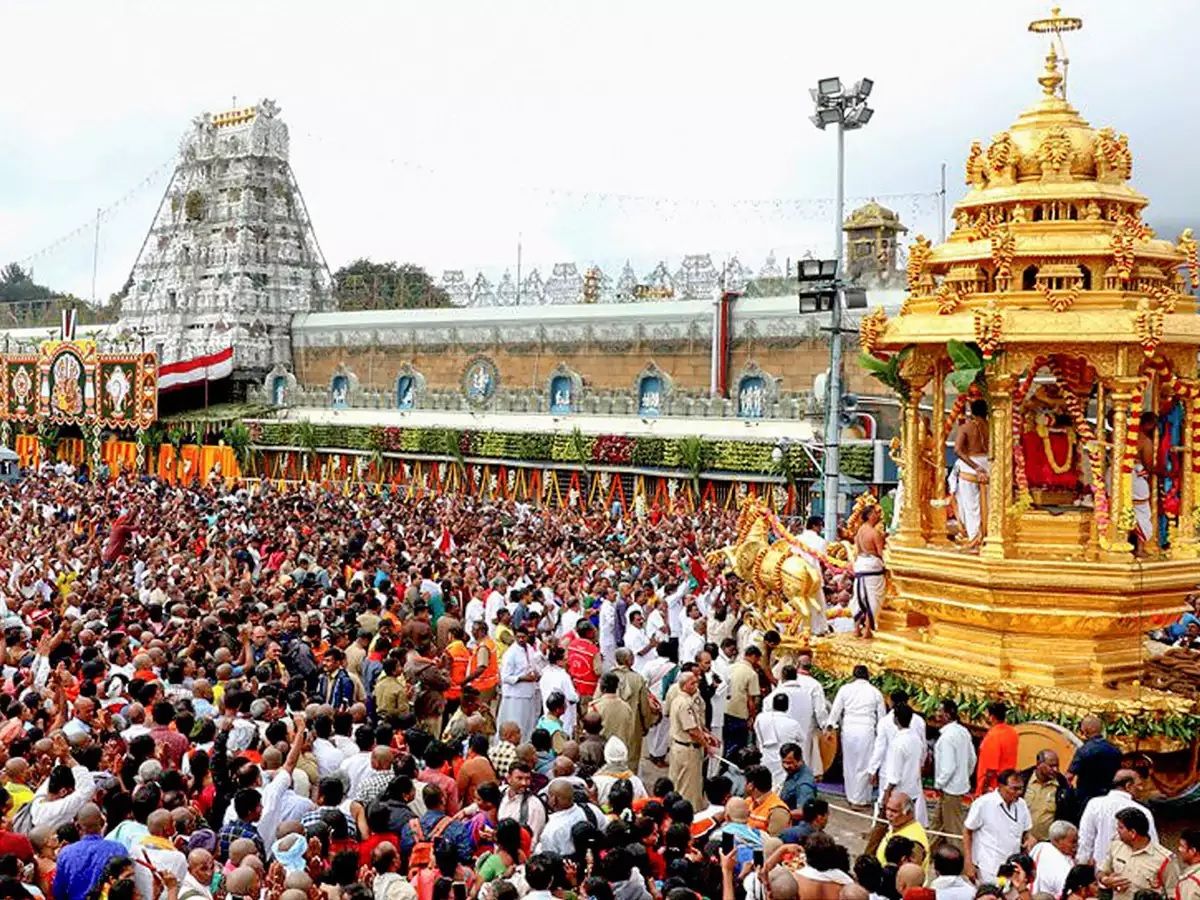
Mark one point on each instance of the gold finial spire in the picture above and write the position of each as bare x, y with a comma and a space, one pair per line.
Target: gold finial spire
1055, 25
1050, 79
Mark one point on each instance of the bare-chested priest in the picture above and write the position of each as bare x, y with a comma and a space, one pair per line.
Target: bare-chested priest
971, 471
868, 571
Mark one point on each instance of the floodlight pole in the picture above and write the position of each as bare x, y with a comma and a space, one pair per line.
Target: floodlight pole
833, 431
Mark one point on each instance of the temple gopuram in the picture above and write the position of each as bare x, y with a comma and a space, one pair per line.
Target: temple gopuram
1054, 303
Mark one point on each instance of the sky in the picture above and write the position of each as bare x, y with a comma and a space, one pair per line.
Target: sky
445, 133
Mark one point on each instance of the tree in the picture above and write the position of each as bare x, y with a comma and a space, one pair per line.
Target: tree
369, 285
26, 304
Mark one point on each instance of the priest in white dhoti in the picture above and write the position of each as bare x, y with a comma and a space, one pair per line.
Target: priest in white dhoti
857, 709
868, 571
519, 700
815, 545
969, 477
772, 729
1143, 520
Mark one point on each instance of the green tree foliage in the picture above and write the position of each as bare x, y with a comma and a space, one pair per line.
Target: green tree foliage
364, 284
26, 304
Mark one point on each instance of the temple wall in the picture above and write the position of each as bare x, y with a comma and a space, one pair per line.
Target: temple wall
607, 345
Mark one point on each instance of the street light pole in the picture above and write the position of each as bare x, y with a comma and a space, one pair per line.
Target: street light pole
833, 430
847, 109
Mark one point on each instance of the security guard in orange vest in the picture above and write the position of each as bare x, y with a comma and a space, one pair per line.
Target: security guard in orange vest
767, 812
458, 659
483, 673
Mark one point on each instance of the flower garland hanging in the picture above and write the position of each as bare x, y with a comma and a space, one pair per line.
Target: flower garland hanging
1042, 427
1024, 498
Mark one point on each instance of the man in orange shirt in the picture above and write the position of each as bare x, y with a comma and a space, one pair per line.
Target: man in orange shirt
998, 751
475, 770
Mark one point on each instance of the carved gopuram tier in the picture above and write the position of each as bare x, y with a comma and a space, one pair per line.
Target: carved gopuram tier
1054, 302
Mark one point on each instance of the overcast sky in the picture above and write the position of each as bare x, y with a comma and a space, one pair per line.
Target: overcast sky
437, 132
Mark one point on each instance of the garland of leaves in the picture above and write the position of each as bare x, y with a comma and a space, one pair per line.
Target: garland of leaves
606, 449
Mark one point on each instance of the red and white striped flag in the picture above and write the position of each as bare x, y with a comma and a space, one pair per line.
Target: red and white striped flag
445, 543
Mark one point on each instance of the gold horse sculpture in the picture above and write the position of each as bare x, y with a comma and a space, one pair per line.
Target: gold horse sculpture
783, 589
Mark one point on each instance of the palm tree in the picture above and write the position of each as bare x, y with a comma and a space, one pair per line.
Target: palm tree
305, 436
48, 441
237, 437
693, 453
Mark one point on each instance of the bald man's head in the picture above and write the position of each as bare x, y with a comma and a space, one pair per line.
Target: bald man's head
908, 876
160, 823
1090, 727
381, 759
91, 820
240, 849
854, 892
561, 794
737, 809
242, 882
298, 881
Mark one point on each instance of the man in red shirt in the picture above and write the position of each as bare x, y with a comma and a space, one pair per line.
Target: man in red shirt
998, 751
583, 662
172, 745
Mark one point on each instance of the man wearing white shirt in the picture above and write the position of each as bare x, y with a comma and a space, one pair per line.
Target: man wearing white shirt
475, 611
329, 757
555, 680
948, 868
906, 753
693, 639
1054, 858
887, 731
639, 641
1098, 826
953, 763
519, 686
64, 793
277, 784
156, 850
356, 766
495, 602
807, 706
857, 710
564, 815
816, 545
608, 630
773, 728
996, 827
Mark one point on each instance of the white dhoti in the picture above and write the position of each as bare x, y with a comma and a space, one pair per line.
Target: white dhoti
868, 588
1141, 503
969, 494
525, 711
857, 745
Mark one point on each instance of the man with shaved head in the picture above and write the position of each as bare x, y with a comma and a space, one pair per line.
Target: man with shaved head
565, 814
196, 885
81, 864
16, 782
157, 850
1095, 763
1098, 826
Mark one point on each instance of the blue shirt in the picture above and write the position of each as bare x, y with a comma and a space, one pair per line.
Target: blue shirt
81, 864
1094, 765
798, 788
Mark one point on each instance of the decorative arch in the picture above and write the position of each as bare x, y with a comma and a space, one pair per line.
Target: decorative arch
410, 387
755, 390
564, 390
343, 387
279, 386
651, 388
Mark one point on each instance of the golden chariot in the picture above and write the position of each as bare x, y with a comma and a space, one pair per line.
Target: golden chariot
1053, 300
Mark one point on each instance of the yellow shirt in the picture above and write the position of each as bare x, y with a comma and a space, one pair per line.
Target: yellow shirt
21, 794
504, 639
1040, 798
914, 832
743, 685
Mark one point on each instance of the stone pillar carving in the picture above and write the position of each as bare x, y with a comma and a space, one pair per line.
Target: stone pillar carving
1000, 480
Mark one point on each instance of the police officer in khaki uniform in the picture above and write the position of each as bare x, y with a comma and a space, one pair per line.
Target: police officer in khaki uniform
689, 740
1136, 863
1189, 859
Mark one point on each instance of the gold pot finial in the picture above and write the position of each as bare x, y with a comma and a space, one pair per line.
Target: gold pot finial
1055, 25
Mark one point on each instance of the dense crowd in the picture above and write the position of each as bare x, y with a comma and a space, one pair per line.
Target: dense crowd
314, 695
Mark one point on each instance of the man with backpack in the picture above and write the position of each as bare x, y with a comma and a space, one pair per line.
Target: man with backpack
565, 814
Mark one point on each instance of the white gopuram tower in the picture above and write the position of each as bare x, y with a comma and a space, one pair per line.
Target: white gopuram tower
231, 255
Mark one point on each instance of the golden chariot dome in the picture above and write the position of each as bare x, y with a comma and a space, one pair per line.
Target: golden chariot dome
1053, 301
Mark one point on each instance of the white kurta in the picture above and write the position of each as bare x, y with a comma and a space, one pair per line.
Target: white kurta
555, 679
657, 741
857, 709
809, 709
493, 605
997, 830
519, 700
1052, 868
905, 754
772, 730
637, 641
608, 634
1141, 502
